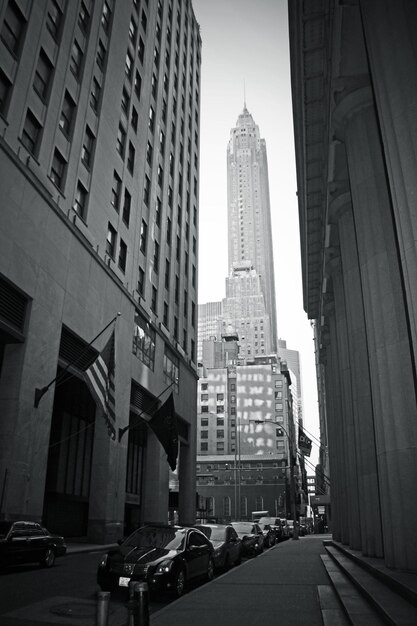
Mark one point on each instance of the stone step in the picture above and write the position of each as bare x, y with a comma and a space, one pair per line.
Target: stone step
390, 606
332, 611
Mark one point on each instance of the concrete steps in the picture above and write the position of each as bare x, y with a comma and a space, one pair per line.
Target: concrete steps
369, 593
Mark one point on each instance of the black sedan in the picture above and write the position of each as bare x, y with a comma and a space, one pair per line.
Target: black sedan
252, 537
28, 542
166, 557
226, 542
269, 535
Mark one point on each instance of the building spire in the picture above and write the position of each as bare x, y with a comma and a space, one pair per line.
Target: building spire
244, 96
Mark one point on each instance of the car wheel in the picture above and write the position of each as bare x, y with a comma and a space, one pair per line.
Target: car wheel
48, 558
179, 583
210, 569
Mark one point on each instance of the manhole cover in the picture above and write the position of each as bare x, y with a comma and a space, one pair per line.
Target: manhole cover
77, 610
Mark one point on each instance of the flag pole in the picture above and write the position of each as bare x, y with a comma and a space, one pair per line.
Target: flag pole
39, 393
126, 428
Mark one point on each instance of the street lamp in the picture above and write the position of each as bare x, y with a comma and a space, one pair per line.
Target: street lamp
237, 468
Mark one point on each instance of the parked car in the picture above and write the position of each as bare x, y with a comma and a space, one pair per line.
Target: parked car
276, 525
269, 535
28, 542
166, 557
290, 523
226, 542
285, 528
252, 537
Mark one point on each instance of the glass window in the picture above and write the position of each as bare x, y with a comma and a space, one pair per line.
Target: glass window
95, 95
147, 190
171, 368
105, 17
134, 119
87, 149
43, 75
131, 158
204, 434
13, 28
138, 84
121, 140
122, 255
31, 133
54, 19
204, 409
220, 408
144, 341
101, 55
129, 65
76, 59
67, 115
126, 207
116, 191
111, 241
141, 282
154, 300
220, 434
83, 17
58, 169
143, 236
5, 89
80, 201
204, 446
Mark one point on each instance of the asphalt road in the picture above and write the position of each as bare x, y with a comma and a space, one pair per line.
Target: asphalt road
63, 594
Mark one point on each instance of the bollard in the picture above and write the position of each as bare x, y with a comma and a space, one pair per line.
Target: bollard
103, 599
138, 605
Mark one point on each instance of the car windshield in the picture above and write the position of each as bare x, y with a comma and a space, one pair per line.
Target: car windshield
242, 527
214, 534
149, 537
4, 528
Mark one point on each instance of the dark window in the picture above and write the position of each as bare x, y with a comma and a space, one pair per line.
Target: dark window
176, 328
131, 157
133, 29
58, 169
160, 175
125, 101
111, 241
147, 191
154, 299
169, 231
126, 207
5, 89
80, 201
149, 153
83, 17
121, 140
66, 120
158, 211
204, 409
31, 133
76, 59
151, 119
220, 434
156, 257
154, 86
54, 19
43, 75
87, 149
101, 55
134, 119
122, 255
143, 236
171, 368
95, 95
138, 84
167, 273
116, 191
166, 314
203, 446
105, 17
141, 282
141, 50
144, 20
13, 28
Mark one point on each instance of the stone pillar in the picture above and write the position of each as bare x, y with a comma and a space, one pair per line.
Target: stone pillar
155, 497
390, 358
346, 419
340, 214
187, 483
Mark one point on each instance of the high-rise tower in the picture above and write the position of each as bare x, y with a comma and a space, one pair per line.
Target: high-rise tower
249, 217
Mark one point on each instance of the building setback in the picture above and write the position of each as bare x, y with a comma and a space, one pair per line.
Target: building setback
354, 100
99, 154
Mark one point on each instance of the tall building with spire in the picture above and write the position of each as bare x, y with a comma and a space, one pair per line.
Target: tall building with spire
249, 216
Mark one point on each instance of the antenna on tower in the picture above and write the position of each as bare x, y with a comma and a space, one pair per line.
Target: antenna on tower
244, 94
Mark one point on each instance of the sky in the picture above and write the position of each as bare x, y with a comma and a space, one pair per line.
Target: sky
245, 52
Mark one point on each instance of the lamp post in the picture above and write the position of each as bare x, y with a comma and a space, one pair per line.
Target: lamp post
237, 468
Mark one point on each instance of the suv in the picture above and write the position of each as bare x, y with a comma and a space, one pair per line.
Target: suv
275, 524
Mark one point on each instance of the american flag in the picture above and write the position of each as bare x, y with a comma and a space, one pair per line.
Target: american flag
100, 381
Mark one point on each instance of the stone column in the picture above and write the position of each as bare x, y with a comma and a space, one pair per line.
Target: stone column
155, 482
346, 419
187, 483
340, 214
390, 358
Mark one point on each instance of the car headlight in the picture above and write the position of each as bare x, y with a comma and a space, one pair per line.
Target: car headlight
164, 567
103, 561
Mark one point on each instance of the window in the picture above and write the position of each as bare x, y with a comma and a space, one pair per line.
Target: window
95, 95
67, 115
220, 421
87, 149
154, 300
220, 408
121, 140
278, 406
116, 191
131, 158
80, 200
5, 88
175, 328
141, 282
144, 21
133, 29
141, 50
171, 368
220, 434
227, 506
204, 421
143, 236
126, 207
166, 314
204, 386
204, 434
151, 119
54, 19
138, 84
167, 273
105, 17
149, 153
122, 255
233, 410
220, 397
144, 341
154, 86
31, 133
156, 257
204, 409
134, 119
147, 190
58, 169
204, 397
76, 59
43, 75
203, 446
158, 211
13, 28
83, 17
160, 175
101, 55
111, 241
129, 65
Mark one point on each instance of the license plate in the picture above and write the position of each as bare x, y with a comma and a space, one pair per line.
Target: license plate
124, 582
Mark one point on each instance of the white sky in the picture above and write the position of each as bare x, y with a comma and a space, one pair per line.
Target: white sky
246, 42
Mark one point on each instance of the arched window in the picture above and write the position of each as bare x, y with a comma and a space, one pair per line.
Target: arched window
226, 506
259, 503
211, 509
244, 507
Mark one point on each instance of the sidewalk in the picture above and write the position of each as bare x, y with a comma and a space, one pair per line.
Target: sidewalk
278, 588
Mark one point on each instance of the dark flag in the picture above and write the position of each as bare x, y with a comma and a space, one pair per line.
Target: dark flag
100, 381
164, 425
304, 443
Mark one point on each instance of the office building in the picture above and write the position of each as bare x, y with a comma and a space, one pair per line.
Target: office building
99, 157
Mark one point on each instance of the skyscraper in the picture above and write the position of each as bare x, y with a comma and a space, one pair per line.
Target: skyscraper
249, 217
99, 153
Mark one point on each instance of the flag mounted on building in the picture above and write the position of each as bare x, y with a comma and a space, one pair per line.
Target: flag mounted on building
304, 443
100, 381
164, 425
